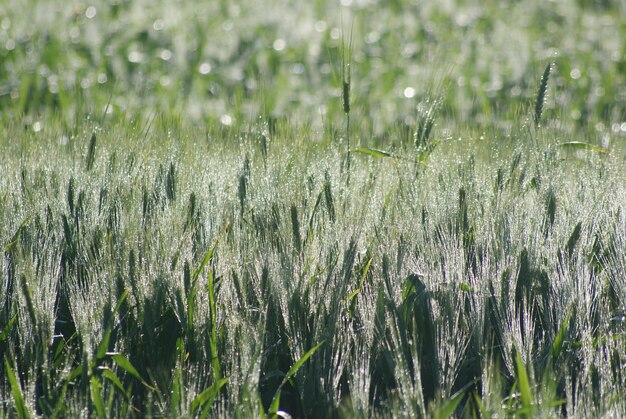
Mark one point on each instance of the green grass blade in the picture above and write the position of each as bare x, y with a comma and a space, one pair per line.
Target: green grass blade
120, 301
96, 398
207, 258
447, 410
74, 374
524, 384
103, 347
10, 245
16, 392
206, 398
261, 411
373, 152
7, 329
125, 364
559, 339
295, 367
275, 402
112, 377
582, 146
363, 275
292, 371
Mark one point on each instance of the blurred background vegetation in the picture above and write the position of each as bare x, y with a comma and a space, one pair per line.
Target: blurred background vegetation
235, 61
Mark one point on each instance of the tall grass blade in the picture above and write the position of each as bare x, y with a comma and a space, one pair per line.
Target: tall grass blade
103, 347
524, 385
11, 244
379, 154
126, 365
581, 146
16, 392
447, 410
7, 328
559, 339
204, 400
113, 378
292, 371
95, 386
354, 293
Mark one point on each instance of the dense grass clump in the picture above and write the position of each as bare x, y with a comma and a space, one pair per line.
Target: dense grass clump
189, 277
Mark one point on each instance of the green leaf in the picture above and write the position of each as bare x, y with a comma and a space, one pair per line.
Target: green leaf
96, 398
59, 405
112, 377
207, 258
362, 281
465, 287
104, 344
557, 345
16, 392
480, 404
295, 367
10, 245
373, 152
524, 384
206, 398
448, 408
261, 413
129, 368
75, 373
7, 329
120, 301
292, 371
579, 145
62, 345
275, 402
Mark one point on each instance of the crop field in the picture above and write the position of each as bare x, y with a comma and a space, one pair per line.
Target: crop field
354, 208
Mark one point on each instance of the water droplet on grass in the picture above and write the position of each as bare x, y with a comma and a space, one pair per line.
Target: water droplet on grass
226, 120
297, 68
320, 26
135, 57
575, 73
279, 44
409, 92
205, 68
166, 55
90, 12
158, 24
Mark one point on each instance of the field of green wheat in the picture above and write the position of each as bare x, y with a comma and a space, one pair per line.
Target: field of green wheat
342, 209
